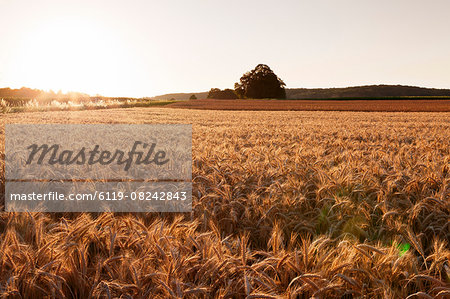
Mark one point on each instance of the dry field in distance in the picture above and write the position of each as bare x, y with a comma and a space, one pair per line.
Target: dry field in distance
286, 204
405, 105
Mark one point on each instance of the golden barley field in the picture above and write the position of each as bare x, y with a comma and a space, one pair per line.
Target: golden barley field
286, 204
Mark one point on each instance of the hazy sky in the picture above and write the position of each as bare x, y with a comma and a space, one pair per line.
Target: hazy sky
145, 48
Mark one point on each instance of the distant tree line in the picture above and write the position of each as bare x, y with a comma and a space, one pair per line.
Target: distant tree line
28, 93
216, 93
368, 91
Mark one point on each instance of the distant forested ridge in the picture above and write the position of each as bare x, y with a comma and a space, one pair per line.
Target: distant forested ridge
369, 91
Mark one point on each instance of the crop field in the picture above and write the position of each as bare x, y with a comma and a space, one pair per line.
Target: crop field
290, 204
386, 105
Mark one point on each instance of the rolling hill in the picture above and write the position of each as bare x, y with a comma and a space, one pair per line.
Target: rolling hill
369, 91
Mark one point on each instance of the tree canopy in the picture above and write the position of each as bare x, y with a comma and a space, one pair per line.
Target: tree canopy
260, 83
216, 93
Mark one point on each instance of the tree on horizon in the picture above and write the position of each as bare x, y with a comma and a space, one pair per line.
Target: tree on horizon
260, 83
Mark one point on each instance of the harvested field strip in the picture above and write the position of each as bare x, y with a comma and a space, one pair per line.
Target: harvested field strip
319, 105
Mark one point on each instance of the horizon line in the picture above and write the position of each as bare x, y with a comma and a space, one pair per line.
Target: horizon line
194, 92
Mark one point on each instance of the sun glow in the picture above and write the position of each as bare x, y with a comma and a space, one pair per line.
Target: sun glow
74, 55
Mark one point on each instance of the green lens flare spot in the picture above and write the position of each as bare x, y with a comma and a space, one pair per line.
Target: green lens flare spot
403, 248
